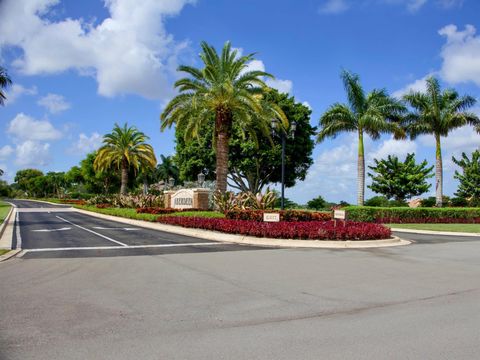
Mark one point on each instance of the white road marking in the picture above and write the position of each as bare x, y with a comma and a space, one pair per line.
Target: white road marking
50, 230
121, 247
112, 228
19, 237
91, 231
43, 210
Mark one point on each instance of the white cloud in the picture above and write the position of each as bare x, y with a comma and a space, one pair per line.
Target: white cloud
334, 7
411, 5
284, 86
32, 153
307, 104
24, 127
391, 146
461, 55
54, 103
5, 152
129, 52
17, 91
447, 4
86, 144
418, 85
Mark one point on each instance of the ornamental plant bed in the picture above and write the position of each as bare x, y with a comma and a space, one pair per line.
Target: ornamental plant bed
161, 211
73, 201
302, 230
405, 215
285, 215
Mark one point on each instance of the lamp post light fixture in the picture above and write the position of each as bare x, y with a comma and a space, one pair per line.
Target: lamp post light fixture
201, 178
171, 182
283, 135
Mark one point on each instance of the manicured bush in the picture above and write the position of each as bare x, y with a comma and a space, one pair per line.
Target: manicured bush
285, 215
408, 215
73, 201
306, 230
159, 211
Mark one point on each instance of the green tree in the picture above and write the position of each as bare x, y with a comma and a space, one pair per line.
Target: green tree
317, 203
400, 180
5, 82
123, 148
469, 178
253, 165
372, 114
224, 93
167, 169
25, 180
437, 113
97, 182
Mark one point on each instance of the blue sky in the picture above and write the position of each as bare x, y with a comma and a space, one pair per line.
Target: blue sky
81, 66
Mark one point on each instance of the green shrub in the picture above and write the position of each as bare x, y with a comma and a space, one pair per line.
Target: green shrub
400, 215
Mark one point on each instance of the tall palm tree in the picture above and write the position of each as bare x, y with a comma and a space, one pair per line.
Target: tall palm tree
123, 148
224, 91
438, 112
5, 82
372, 114
167, 169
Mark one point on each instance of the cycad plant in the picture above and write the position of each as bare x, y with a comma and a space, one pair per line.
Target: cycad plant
123, 148
438, 112
224, 91
372, 114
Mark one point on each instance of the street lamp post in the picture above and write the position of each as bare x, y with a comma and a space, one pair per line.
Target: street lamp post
283, 137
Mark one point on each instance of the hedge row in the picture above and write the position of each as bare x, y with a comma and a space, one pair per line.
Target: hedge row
285, 215
156, 210
405, 215
310, 230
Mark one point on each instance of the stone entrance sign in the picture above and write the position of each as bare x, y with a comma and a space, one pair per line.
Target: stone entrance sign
187, 199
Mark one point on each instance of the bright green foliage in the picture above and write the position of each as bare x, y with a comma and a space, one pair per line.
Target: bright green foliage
400, 180
166, 169
28, 180
5, 82
253, 165
124, 148
372, 114
222, 93
438, 112
96, 182
469, 187
317, 203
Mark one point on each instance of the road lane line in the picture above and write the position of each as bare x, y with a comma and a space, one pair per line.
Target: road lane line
123, 247
19, 237
93, 232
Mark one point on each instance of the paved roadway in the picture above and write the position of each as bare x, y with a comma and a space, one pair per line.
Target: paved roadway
220, 301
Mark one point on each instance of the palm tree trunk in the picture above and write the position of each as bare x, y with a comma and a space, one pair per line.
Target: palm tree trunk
361, 170
145, 185
123, 186
438, 173
223, 124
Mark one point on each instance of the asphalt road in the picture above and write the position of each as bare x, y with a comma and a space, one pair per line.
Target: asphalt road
412, 302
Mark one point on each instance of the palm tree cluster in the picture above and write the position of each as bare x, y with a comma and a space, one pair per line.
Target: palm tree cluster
434, 112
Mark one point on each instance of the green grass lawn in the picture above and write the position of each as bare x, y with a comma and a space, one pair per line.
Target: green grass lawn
132, 213
4, 209
470, 228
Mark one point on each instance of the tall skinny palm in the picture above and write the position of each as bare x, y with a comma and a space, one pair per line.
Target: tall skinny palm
5, 82
123, 148
224, 91
372, 114
437, 113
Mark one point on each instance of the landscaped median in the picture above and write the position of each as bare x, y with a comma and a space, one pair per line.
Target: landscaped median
211, 225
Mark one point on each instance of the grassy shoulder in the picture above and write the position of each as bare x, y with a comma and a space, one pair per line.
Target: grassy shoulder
4, 210
3, 251
469, 228
132, 213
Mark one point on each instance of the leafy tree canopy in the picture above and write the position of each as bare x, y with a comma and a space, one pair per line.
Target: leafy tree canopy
317, 203
469, 178
400, 180
252, 164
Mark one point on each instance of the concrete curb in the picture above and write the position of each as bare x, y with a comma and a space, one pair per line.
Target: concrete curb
431, 232
3, 225
248, 240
